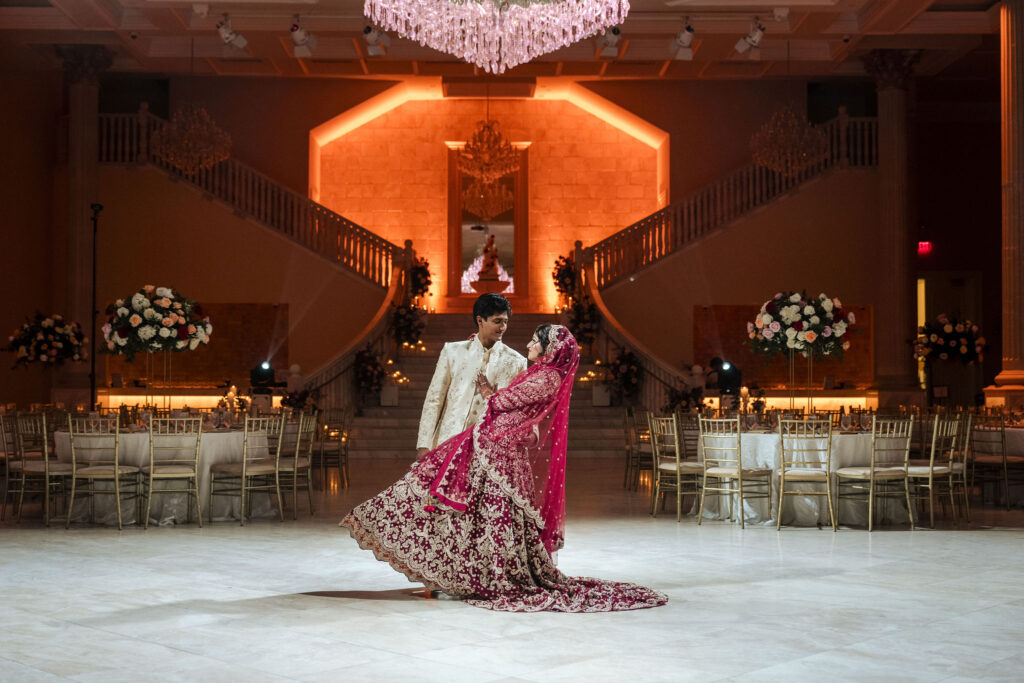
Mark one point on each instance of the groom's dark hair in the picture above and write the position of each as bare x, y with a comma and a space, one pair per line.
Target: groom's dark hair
487, 305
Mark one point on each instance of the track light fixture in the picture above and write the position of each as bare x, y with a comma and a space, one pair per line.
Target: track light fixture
607, 43
751, 41
228, 35
377, 41
680, 46
303, 41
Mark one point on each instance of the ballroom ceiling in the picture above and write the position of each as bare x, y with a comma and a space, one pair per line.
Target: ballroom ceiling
803, 38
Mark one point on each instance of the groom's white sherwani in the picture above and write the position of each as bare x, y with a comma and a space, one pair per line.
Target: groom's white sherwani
453, 403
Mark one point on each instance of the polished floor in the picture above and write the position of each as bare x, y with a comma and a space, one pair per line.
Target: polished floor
298, 601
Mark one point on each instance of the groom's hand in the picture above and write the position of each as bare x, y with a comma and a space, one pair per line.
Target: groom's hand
483, 386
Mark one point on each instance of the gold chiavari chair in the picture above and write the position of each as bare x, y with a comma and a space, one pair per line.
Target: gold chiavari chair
333, 438
937, 474
723, 463
95, 462
295, 463
672, 472
880, 479
990, 463
640, 455
37, 472
10, 459
806, 459
257, 471
174, 460
960, 463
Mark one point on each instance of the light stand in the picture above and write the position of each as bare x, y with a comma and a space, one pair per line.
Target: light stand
96, 208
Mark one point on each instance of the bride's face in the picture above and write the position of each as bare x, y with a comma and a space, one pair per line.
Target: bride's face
533, 350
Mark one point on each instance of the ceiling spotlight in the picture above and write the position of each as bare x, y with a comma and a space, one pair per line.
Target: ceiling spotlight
377, 41
303, 41
608, 42
752, 40
227, 34
680, 45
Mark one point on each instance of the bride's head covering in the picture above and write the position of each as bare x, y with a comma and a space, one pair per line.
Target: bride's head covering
562, 354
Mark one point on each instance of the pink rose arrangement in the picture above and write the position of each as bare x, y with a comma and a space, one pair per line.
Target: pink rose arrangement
792, 321
155, 319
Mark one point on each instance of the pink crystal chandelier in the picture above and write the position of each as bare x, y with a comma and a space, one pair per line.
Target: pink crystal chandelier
496, 34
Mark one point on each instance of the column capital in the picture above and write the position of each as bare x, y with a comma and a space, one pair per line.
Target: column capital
891, 68
84, 63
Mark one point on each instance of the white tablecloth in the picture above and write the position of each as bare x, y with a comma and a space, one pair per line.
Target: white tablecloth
765, 451
214, 447
1014, 448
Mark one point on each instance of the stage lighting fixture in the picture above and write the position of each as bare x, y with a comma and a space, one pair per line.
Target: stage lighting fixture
680, 46
377, 41
228, 35
752, 40
726, 366
261, 377
607, 43
303, 41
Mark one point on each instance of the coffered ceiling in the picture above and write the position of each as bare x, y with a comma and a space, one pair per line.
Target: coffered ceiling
802, 38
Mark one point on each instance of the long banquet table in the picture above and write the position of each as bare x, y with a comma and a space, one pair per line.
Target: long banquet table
219, 446
763, 450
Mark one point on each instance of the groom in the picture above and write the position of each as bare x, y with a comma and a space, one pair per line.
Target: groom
467, 373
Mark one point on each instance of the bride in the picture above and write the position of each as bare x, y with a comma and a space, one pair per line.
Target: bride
480, 516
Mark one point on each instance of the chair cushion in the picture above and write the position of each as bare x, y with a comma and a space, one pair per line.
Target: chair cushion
864, 472
731, 472
289, 463
919, 471
39, 467
171, 470
254, 467
805, 474
104, 470
684, 466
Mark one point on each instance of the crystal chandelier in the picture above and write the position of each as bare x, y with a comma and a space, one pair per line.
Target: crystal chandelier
496, 34
488, 155
485, 201
788, 144
191, 141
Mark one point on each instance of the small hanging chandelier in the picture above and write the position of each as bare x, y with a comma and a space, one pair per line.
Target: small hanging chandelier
787, 143
485, 201
496, 34
488, 155
192, 141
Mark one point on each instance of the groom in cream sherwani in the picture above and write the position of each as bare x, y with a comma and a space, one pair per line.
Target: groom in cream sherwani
467, 373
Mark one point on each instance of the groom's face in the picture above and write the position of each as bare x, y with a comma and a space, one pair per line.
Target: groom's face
490, 330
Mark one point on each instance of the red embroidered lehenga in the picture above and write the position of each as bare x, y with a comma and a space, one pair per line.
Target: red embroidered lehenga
479, 516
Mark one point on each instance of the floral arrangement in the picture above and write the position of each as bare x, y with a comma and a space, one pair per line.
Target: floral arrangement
564, 275
47, 339
419, 278
407, 324
155, 319
298, 400
685, 399
583, 320
793, 321
369, 372
626, 374
948, 339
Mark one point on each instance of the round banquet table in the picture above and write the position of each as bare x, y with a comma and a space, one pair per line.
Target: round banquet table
764, 450
220, 446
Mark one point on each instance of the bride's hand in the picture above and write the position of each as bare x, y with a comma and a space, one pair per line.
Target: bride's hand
483, 386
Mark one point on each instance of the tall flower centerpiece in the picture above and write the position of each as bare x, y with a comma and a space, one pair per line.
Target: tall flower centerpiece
47, 339
792, 323
155, 319
950, 339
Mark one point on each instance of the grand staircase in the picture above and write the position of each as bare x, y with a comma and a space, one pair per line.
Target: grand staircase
390, 432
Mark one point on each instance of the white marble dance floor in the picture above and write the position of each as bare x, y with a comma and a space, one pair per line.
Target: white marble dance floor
299, 601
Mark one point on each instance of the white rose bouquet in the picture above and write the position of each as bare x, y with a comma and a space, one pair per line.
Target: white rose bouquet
793, 321
155, 319
49, 340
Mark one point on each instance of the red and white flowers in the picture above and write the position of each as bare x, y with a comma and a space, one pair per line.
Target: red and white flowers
155, 319
791, 321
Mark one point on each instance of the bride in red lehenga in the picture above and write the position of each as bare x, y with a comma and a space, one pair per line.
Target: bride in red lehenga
479, 516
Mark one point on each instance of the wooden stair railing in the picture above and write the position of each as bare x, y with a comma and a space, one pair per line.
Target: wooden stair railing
124, 139
852, 142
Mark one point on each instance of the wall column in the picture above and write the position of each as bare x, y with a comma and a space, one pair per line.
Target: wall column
895, 319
